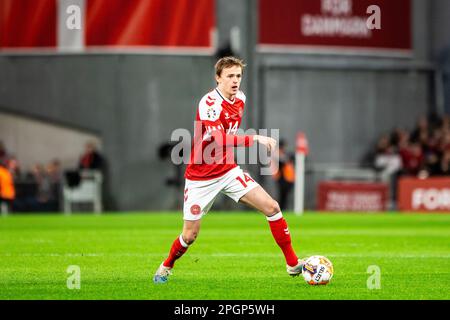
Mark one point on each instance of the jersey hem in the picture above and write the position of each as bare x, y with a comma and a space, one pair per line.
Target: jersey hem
210, 177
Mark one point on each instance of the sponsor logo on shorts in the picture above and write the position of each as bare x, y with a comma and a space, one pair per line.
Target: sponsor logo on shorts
195, 209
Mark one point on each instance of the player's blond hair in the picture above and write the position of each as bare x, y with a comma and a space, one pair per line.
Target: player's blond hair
227, 62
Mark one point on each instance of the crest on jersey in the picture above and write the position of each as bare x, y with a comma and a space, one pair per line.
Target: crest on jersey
211, 113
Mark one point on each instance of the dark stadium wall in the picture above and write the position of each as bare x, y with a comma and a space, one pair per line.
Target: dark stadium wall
440, 35
342, 112
441, 45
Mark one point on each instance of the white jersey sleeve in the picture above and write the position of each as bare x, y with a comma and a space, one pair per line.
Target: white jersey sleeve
209, 108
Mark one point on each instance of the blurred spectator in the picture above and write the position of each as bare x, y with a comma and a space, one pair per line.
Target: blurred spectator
432, 166
434, 140
422, 131
55, 176
45, 198
423, 152
14, 167
432, 153
412, 158
400, 139
91, 158
7, 189
389, 164
387, 160
37, 175
445, 163
92, 169
3, 153
54, 171
445, 140
446, 123
285, 175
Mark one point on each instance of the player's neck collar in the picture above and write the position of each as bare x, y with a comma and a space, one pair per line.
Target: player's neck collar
223, 97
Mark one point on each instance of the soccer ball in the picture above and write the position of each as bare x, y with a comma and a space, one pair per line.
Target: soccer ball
317, 270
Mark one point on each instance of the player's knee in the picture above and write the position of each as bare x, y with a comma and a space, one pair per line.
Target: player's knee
189, 237
272, 207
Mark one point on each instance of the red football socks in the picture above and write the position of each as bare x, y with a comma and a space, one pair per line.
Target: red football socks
179, 247
281, 234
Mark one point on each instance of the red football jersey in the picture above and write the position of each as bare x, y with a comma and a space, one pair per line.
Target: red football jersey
217, 121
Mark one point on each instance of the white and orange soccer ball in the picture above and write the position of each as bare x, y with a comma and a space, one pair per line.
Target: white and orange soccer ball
317, 270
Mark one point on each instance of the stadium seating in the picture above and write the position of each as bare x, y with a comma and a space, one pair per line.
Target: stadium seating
87, 191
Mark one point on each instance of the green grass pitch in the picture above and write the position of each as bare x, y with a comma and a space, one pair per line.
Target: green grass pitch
235, 256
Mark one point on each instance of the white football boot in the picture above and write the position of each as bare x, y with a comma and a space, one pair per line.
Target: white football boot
162, 274
297, 269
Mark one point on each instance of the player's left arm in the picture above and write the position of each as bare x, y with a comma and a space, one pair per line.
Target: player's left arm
268, 142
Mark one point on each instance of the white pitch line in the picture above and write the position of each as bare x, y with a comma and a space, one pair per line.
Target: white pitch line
262, 255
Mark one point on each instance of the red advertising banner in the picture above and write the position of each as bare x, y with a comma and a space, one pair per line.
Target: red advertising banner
352, 196
108, 24
174, 23
27, 23
335, 25
424, 195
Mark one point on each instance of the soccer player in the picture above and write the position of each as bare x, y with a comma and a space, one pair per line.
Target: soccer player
218, 118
